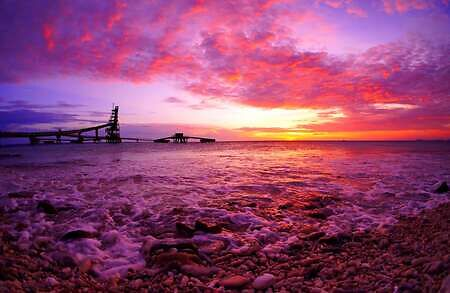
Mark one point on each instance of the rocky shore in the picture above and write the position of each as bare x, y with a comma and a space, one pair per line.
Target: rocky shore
411, 256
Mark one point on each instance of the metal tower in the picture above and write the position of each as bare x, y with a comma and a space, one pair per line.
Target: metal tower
113, 131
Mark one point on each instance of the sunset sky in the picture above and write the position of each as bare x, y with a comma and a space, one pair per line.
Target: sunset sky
234, 70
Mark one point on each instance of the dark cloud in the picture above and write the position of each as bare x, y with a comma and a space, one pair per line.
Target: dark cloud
26, 105
10, 119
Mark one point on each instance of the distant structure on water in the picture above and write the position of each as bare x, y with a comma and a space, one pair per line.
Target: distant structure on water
112, 134
181, 138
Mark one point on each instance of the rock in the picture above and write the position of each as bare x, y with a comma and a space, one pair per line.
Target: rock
168, 281
434, 267
203, 227
314, 235
184, 281
246, 249
21, 194
152, 245
252, 205
420, 261
321, 214
383, 243
443, 188
236, 281
64, 259
338, 239
296, 245
136, 284
46, 207
445, 285
85, 265
77, 234
184, 230
51, 281
197, 270
42, 241
285, 206
176, 259
312, 271
264, 281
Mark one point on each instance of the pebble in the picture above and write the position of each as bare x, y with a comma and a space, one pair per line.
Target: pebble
136, 284
85, 265
46, 207
443, 188
264, 281
77, 234
445, 285
52, 281
314, 235
236, 281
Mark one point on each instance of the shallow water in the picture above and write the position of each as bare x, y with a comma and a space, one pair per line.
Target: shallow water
130, 192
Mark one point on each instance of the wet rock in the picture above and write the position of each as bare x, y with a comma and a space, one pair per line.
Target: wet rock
338, 239
176, 259
21, 194
78, 234
236, 281
312, 271
168, 281
197, 270
383, 243
264, 281
85, 265
420, 261
51, 281
203, 227
252, 205
296, 246
321, 214
64, 259
314, 236
136, 284
443, 188
434, 267
211, 246
42, 241
184, 230
246, 249
445, 285
285, 206
152, 245
46, 207
184, 281
320, 202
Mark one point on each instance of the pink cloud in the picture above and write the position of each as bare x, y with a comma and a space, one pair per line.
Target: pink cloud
244, 52
401, 6
357, 11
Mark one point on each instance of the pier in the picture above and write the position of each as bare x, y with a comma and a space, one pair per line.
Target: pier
181, 138
88, 134
93, 134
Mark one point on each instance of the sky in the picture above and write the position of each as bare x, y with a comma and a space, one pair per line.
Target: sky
233, 70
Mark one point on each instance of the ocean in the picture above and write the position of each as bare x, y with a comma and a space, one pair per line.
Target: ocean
264, 192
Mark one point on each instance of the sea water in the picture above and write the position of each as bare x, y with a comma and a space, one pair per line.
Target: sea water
130, 192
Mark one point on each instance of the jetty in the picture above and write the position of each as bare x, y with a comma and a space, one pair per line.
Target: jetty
181, 138
94, 134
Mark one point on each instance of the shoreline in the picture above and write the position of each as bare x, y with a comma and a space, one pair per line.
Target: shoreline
411, 256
